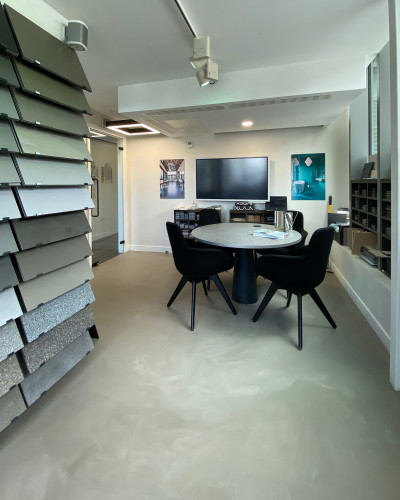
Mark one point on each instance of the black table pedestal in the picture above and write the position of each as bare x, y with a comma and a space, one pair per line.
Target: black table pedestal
244, 288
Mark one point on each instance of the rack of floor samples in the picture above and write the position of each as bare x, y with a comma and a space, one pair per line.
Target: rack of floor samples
46, 326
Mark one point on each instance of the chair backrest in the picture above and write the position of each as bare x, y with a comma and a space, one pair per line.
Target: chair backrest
317, 255
209, 216
179, 247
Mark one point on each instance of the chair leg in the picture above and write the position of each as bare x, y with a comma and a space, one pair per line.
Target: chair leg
300, 320
204, 287
289, 298
265, 301
177, 291
223, 292
208, 284
193, 305
316, 298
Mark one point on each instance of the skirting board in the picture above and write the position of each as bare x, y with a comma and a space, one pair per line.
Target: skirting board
375, 325
145, 248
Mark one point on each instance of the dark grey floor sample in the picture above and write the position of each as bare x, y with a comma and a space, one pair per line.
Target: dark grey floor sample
36, 384
8, 206
10, 374
7, 41
9, 306
10, 340
7, 241
8, 172
11, 406
42, 201
7, 106
8, 277
45, 288
47, 258
49, 315
48, 345
49, 229
7, 73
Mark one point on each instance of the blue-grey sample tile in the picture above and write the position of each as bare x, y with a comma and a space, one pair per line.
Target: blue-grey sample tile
8, 206
11, 407
7, 73
7, 241
8, 144
31, 233
48, 316
45, 288
46, 51
9, 306
8, 278
10, 340
40, 142
8, 172
45, 200
10, 374
7, 107
47, 172
36, 384
48, 345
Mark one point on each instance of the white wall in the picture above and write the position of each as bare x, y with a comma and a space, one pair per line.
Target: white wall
147, 214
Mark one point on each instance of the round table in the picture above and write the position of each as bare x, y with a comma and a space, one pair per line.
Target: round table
240, 236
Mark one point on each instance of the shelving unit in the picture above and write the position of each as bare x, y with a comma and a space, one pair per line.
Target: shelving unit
261, 216
188, 218
371, 210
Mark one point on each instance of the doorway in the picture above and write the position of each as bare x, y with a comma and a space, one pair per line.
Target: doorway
107, 237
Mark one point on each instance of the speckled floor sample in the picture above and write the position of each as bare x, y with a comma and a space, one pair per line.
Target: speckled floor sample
231, 411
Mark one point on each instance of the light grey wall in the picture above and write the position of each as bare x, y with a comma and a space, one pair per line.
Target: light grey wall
358, 134
384, 113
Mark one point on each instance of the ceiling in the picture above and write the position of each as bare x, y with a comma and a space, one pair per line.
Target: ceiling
135, 42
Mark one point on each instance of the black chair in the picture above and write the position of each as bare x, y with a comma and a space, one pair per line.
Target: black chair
196, 265
298, 226
209, 216
298, 274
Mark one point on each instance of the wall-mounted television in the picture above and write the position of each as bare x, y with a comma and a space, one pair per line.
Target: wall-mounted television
234, 179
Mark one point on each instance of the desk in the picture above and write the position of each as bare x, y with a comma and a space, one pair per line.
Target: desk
240, 236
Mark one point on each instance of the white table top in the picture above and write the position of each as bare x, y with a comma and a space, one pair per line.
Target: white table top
240, 235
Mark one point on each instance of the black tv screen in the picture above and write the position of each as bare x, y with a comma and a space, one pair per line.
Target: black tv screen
232, 179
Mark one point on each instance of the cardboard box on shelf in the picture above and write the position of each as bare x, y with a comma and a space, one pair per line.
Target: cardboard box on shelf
358, 238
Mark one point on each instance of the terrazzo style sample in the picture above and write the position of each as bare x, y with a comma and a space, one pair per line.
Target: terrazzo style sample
9, 306
45, 288
49, 315
11, 406
10, 340
10, 374
48, 345
7, 241
8, 277
36, 384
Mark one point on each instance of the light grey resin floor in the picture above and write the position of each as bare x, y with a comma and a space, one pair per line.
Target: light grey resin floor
231, 411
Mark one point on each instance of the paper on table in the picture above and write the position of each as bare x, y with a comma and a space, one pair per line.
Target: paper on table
273, 235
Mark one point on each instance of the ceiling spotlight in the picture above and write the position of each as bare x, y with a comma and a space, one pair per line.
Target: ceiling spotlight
201, 52
247, 123
130, 127
207, 74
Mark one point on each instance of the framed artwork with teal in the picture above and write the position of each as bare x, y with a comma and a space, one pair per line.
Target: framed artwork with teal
308, 177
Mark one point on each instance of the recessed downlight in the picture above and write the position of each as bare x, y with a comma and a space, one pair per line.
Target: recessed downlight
247, 123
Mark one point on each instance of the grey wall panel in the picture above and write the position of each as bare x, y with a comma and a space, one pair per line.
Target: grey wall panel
45, 172
47, 258
36, 384
10, 374
48, 345
41, 290
35, 141
50, 89
7, 72
7, 107
49, 229
48, 316
9, 306
7, 241
8, 172
8, 277
42, 201
8, 144
8, 206
38, 46
7, 41
11, 406
44, 114
10, 340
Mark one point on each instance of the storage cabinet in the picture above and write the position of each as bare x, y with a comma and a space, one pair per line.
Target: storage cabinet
371, 210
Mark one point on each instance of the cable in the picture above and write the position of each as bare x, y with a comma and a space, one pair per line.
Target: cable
185, 17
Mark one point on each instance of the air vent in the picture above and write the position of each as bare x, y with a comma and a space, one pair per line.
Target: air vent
185, 110
280, 100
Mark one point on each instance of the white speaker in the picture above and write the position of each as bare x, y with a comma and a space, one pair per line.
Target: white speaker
76, 34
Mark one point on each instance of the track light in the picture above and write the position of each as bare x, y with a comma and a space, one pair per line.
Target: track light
207, 74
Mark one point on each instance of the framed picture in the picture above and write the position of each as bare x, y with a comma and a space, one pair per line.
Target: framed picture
308, 176
172, 179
